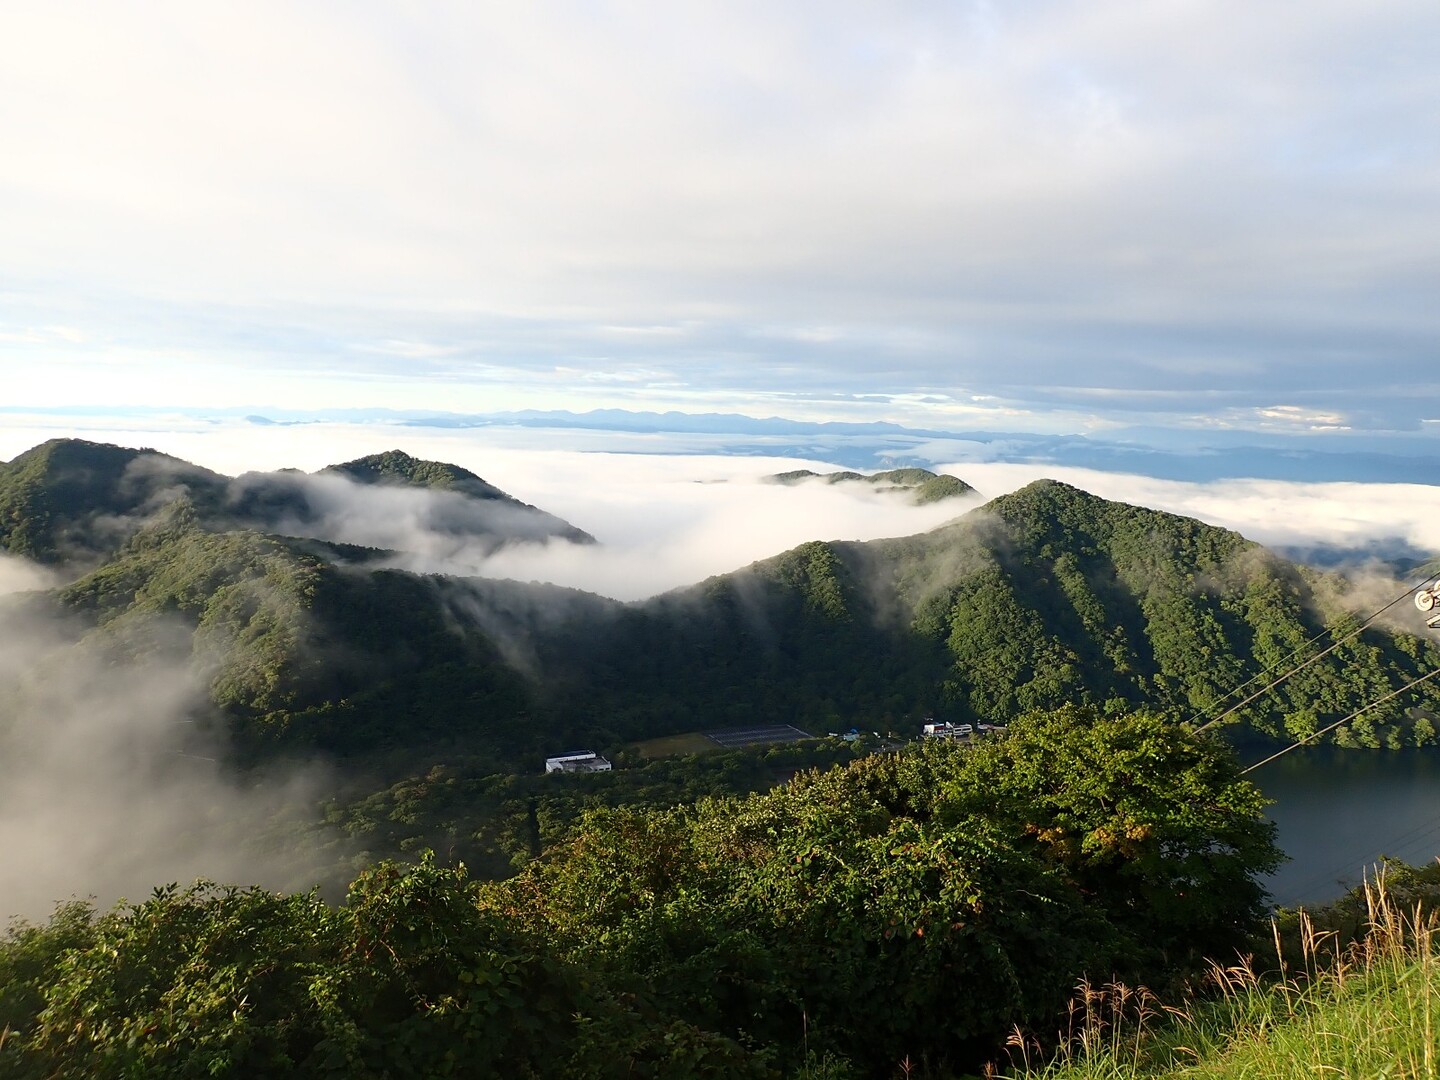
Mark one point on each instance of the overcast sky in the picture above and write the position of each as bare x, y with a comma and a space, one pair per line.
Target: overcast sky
1045, 216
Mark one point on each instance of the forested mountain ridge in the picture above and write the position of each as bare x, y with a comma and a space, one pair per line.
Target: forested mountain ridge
72, 501
68, 499
1042, 597
1039, 598
303, 647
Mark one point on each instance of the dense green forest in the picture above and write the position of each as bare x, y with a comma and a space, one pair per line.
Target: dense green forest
781, 911
1039, 598
906, 907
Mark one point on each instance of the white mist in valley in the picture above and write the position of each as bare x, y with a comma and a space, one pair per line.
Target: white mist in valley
21, 575
666, 522
108, 783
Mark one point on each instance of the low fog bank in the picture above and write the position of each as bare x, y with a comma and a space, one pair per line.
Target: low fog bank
664, 523
109, 784
432, 522
21, 575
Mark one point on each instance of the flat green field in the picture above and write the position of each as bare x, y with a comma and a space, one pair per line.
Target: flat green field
675, 745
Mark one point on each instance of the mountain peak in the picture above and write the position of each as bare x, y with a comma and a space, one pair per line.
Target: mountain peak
60, 453
394, 468
1058, 516
398, 467
1047, 495
70, 498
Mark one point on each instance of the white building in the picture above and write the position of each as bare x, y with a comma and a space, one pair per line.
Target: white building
946, 731
577, 761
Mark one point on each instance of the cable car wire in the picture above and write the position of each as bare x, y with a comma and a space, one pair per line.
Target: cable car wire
1318, 656
1344, 720
1258, 675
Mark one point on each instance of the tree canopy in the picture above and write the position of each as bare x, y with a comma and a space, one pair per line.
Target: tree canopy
914, 905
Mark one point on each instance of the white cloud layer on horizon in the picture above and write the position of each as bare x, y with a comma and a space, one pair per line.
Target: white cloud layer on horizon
1056, 207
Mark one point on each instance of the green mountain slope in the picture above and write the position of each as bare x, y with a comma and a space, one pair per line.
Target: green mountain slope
398, 467
272, 625
68, 499
71, 501
1043, 597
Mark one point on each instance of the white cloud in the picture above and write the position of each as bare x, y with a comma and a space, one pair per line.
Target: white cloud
665, 522
663, 519
18, 574
1308, 419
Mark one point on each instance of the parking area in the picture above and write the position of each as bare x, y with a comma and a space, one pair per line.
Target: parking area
735, 738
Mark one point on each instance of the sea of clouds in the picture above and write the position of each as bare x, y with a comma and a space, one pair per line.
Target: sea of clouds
107, 788
668, 512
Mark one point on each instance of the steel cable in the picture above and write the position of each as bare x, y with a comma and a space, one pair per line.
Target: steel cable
1344, 720
1318, 656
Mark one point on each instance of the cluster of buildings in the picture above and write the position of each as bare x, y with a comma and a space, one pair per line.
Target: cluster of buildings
588, 761
946, 730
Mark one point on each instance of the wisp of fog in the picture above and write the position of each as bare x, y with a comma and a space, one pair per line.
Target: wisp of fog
109, 784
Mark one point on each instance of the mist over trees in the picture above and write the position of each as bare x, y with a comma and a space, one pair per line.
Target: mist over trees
249, 652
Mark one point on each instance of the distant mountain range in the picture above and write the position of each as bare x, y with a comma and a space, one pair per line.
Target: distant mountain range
1172, 453
1045, 596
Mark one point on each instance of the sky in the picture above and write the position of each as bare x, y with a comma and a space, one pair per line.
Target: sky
1094, 218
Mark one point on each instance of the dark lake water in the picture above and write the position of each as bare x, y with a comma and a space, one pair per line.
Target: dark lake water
1338, 811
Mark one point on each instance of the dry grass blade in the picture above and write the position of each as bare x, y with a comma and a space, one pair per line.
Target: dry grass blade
1362, 1004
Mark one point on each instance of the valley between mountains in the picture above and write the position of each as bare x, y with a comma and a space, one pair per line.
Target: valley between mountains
307, 639
280, 637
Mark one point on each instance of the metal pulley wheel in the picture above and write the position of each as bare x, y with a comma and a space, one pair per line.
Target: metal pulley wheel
1424, 599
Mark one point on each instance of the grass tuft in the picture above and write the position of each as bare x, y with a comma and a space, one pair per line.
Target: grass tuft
1329, 1007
